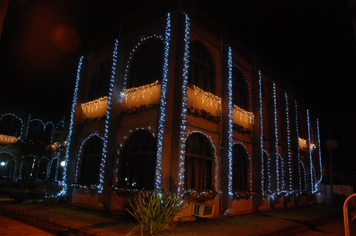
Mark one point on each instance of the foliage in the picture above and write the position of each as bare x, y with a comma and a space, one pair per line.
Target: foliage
155, 210
200, 196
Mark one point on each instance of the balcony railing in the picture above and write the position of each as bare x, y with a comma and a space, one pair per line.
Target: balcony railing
199, 99
146, 95
6, 139
95, 109
242, 118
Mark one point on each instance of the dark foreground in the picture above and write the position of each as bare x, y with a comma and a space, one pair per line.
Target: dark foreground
67, 220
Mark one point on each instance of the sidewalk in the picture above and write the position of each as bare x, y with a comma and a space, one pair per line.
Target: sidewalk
67, 220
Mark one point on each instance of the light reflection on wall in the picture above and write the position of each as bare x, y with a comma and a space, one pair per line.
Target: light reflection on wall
242, 117
143, 95
200, 99
95, 108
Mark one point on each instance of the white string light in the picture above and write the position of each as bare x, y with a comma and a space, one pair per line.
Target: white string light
69, 138
22, 124
261, 135
289, 156
310, 153
319, 153
184, 106
230, 134
162, 115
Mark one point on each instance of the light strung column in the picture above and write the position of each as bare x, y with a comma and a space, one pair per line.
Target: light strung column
276, 137
163, 103
183, 122
290, 171
107, 120
230, 134
319, 153
69, 138
263, 180
310, 153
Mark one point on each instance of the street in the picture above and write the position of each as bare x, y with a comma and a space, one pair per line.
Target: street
334, 228
10, 227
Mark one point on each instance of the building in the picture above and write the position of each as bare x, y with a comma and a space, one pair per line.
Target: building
175, 103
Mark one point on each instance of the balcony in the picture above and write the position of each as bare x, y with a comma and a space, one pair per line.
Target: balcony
144, 96
242, 118
6, 139
200, 100
95, 109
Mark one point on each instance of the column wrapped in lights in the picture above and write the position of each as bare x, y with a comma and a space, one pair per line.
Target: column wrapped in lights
184, 106
310, 153
290, 171
261, 135
230, 136
107, 120
319, 153
69, 138
162, 116
276, 136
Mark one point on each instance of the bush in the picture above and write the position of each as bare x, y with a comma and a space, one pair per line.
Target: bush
20, 195
155, 210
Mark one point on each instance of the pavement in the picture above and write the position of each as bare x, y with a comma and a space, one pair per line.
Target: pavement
39, 219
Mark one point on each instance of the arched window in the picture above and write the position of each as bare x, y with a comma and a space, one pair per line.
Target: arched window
90, 161
10, 125
198, 163
239, 168
201, 67
147, 64
7, 170
139, 161
239, 89
100, 81
42, 172
35, 130
53, 170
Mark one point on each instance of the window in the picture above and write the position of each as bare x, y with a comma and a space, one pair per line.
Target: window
198, 163
139, 161
90, 161
239, 168
42, 172
10, 125
53, 170
239, 89
100, 82
147, 64
201, 67
8, 169
35, 131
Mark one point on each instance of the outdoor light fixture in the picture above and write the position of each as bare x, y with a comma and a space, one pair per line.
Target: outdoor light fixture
63, 163
2, 163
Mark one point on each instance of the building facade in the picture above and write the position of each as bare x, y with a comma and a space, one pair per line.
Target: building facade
175, 105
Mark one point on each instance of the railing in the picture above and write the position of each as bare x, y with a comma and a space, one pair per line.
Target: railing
199, 99
95, 109
242, 117
346, 214
145, 95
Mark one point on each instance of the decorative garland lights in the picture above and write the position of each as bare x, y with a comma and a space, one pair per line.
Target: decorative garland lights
6, 139
108, 110
289, 156
183, 107
276, 139
261, 135
95, 108
319, 153
230, 115
312, 183
143, 95
162, 116
69, 138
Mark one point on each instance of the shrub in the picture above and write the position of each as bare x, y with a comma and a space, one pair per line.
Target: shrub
155, 210
18, 195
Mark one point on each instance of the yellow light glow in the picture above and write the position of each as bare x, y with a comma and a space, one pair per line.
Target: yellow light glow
242, 117
144, 95
303, 144
95, 108
6, 139
200, 99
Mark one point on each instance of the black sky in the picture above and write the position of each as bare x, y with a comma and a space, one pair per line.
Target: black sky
309, 42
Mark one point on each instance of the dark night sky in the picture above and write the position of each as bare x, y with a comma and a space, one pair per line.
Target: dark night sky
309, 42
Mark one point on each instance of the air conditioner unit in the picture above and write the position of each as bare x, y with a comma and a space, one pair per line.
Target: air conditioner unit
203, 210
